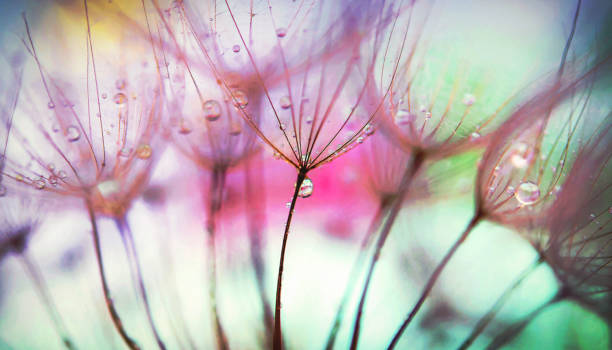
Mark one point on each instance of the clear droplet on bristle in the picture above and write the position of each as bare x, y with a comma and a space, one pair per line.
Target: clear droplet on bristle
276, 155
288, 204
235, 129
144, 151
55, 127
306, 188
184, 127
527, 193
51, 105
474, 136
469, 99
240, 98
120, 98
360, 139
285, 102
403, 116
212, 110
521, 156
309, 120
72, 133
282, 126
281, 32
39, 184
236, 48
427, 115
120, 84
510, 189
368, 130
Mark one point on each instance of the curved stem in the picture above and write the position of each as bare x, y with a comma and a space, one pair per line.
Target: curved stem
43, 292
515, 329
434, 277
278, 337
416, 162
490, 315
110, 304
354, 274
217, 185
136, 272
256, 216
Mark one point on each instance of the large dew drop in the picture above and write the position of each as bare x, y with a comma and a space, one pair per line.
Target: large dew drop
527, 193
120, 98
306, 188
240, 98
285, 102
212, 110
144, 151
281, 32
72, 133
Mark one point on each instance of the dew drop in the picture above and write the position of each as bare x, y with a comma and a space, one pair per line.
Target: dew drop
276, 155
360, 139
285, 102
282, 126
120, 98
120, 84
184, 127
144, 151
55, 127
427, 115
240, 98
474, 136
510, 189
236, 48
288, 204
281, 32
51, 105
212, 110
403, 117
104, 95
368, 130
527, 193
306, 188
309, 120
72, 133
469, 99
39, 184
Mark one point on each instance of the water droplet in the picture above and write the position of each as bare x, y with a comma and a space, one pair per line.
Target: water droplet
144, 151
39, 184
403, 117
469, 99
236, 48
120, 98
288, 204
423, 109
53, 180
62, 174
510, 190
104, 96
276, 155
212, 110
55, 127
51, 105
306, 188
184, 127
108, 187
527, 193
282, 126
521, 156
309, 120
120, 84
474, 136
235, 129
125, 152
72, 133
281, 32
285, 102
240, 98
360, 139
592, 216
368, 130
427, 115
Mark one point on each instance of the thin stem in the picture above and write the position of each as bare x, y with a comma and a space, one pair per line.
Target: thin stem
354, 274
501, 301
35, 275
110, 304
217, 185
434, 277
417, 161
511, 332
255, 215
136, 272
278, 338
